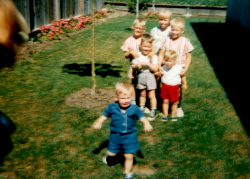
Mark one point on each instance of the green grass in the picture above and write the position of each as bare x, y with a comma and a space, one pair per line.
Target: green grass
183, 2
54, 140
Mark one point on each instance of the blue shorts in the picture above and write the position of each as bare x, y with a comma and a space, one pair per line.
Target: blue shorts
126, 143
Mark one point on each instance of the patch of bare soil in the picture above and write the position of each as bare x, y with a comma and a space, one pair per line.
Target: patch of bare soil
29, 48
84, 99
142, 170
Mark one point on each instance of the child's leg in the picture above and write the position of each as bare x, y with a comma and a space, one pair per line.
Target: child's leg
165, 106
184, 83
128, 163
134, 83
152, 98
174, 108
142, 98
110, 160
153, 103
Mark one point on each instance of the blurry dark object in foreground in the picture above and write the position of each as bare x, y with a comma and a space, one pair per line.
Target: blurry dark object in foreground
13, 32
7, 127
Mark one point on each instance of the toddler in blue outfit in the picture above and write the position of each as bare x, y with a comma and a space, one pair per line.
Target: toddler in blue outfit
123, 136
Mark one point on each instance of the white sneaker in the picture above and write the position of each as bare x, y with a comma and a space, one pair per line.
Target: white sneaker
179, 112
146, 110
104, 160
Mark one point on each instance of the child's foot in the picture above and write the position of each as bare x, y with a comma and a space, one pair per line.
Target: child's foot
179, 112
174, 118
164, 118
128, 176
104, 160
146, 110
152, 115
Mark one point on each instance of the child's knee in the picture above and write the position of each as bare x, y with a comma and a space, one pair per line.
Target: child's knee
128, 156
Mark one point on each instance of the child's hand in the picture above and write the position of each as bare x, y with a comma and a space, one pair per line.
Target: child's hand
97, 125
184, 86
158, 74
183, 72
147, 127
134, 54
139, 65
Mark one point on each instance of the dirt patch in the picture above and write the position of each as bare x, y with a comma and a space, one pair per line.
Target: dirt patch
84, 99
30, 47
142, 170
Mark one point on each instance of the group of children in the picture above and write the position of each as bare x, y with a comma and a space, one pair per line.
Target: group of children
161, 57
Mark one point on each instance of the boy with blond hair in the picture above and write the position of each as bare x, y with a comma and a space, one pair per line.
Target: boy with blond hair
183, 48
123, 136
131, 47
146, 66
163, 30
171, 79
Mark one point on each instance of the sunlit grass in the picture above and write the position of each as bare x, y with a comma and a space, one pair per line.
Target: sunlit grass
54, 140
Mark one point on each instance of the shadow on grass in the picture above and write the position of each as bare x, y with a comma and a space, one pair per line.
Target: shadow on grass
7, 127
102, 70
228, 53
119, 156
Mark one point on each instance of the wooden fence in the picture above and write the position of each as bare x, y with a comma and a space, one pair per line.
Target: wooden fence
42, 12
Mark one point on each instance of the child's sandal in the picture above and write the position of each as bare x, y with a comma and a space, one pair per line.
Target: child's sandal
174, 118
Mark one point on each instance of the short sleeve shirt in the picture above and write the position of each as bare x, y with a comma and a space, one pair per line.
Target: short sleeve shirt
123, 122
182, 46
145, 59
131, 44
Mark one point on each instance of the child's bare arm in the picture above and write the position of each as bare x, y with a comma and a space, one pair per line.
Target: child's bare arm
152, 67
98, 122
161, 56
146, 125
137, 66
188, 62
132, 54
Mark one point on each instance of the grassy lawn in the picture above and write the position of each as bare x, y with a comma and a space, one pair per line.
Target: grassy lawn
53, 140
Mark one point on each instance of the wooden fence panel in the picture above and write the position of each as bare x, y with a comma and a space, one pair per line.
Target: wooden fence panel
41, 12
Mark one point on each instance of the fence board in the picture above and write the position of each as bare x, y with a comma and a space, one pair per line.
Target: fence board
41, 12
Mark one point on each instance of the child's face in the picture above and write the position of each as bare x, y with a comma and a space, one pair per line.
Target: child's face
169, 62
164, 23
138, 30
146, 48
176, 32
124, 100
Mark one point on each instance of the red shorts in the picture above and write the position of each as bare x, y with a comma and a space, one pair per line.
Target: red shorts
170, 92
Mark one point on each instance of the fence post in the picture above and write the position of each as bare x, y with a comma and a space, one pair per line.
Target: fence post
93, 49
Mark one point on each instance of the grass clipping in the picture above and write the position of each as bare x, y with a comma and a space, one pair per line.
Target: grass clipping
84, 99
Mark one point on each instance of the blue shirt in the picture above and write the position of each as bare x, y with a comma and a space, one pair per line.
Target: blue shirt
123, 122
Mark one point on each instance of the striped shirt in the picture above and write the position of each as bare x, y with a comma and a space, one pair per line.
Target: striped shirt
131, 44
182, 46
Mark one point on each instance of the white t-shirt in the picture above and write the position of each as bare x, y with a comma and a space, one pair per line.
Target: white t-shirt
145, 59
171, 76
158, 36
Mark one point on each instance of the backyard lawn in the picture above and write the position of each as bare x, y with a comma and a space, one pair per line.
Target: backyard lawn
55, 140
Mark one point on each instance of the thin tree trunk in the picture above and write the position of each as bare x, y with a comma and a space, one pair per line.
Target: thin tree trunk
93, 49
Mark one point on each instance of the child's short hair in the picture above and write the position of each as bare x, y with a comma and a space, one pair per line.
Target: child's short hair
165, 14
170, 54
146, 38
124, 87
179, 22
139, 21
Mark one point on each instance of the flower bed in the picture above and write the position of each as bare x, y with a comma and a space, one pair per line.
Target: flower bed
151, 15
63, 26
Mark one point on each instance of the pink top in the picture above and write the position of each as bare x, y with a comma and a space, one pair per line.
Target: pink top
131, 44
182, 46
